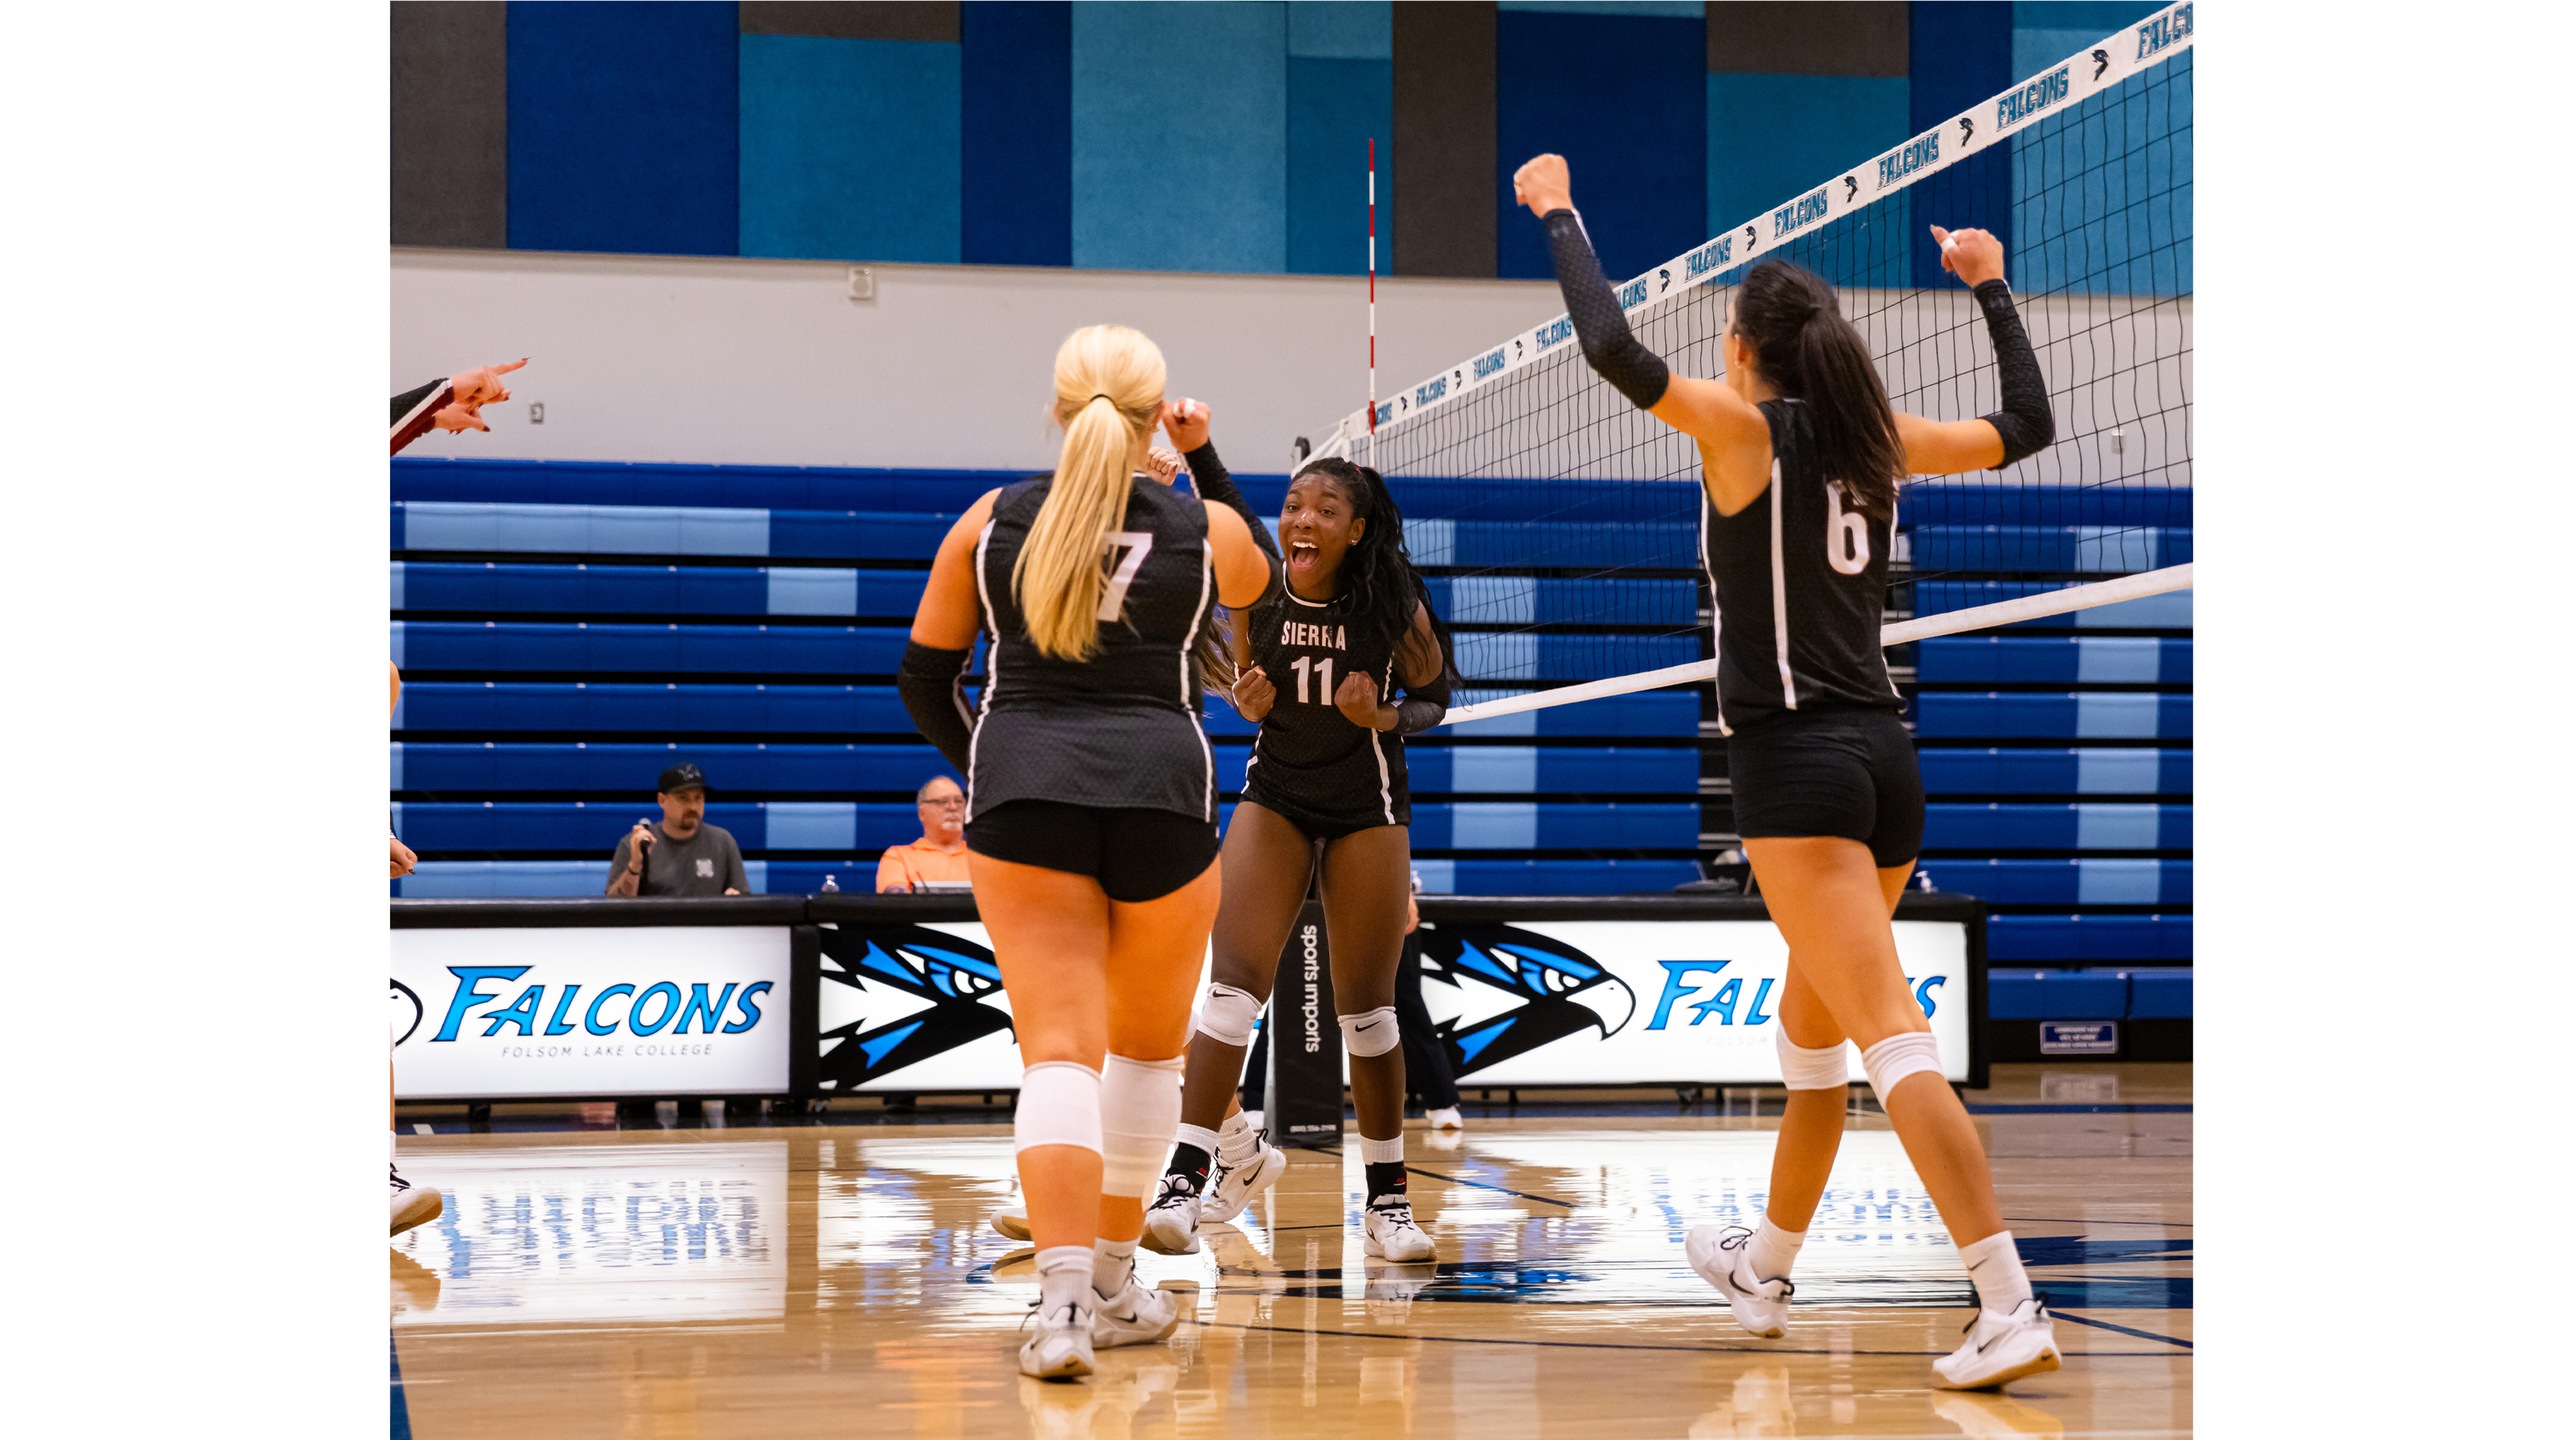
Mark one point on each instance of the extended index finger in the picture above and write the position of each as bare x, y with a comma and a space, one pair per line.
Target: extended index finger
503, 369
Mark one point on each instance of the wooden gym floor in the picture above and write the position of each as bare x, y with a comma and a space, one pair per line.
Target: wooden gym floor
841, 1280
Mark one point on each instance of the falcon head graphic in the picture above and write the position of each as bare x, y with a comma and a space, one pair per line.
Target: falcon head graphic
1513, 990
893, 995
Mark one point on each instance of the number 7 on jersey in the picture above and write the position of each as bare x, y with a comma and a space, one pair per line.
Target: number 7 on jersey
1135, 544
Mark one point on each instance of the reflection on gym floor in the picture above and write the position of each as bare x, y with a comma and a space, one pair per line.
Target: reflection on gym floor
834, 1280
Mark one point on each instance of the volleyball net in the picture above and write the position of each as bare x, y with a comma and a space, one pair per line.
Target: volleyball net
1560, 525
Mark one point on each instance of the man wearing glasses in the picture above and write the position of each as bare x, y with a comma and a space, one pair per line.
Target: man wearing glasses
942, 856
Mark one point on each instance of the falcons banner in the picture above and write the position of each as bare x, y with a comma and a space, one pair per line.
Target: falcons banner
1539, 1002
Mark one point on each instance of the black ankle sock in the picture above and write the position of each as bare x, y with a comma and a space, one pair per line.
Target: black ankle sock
1193, 1161
1386, 1181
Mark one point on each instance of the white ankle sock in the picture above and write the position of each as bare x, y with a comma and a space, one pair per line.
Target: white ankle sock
1380, 1152
1772, 1251
1066, 1275
1238, 1139
1115, 1264
1992, 1263
1200, 1135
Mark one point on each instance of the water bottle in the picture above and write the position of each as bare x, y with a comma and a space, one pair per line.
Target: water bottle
827, 886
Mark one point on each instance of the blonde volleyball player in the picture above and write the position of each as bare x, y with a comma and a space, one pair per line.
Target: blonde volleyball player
1800, 456
1093, 813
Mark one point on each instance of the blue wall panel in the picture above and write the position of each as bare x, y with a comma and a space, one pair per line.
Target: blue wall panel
1781, 135
1960, 53
2102, 191
1336, 107
1342, 29
848, 149
622, 128
1619, 96
1181, 136
1016, 207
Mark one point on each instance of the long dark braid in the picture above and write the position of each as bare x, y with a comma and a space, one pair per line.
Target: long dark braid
1377, 585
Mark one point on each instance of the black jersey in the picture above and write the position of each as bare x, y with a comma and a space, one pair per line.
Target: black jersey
1799, 578
1309, 761
1121, 730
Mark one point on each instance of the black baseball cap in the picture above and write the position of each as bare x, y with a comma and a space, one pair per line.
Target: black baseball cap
683, 776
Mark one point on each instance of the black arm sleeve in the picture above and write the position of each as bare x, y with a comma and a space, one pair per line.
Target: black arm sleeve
2024, 420
1607, 343
929, 683
1209, 476
1421, 709
403, 404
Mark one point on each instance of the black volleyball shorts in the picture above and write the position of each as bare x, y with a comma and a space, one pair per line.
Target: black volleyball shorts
1853, 774
1137, 854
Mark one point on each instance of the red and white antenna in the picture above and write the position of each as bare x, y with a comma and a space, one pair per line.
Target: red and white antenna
1373, 302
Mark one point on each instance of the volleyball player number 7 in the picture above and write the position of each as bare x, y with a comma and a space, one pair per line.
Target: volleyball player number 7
1800, 456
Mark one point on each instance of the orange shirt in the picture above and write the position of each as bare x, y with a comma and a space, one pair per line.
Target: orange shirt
904, 865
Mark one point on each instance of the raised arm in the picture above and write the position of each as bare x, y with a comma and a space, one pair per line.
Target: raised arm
1712, 413
946, 626
1186, 424
2024, 422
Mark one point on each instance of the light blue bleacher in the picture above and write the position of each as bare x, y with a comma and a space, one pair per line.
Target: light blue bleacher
2068, 884
845, 826
588, 767
501, 650
440, 526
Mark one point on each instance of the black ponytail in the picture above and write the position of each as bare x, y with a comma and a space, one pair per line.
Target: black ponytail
1377, 586
1810, 352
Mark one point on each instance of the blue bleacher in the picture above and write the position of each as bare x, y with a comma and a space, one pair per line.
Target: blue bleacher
586, 768
2066, 883
547, 749
2080, 715
503, 826
2098, 993
2090, 826
2127, 771
2036, 660
440, 526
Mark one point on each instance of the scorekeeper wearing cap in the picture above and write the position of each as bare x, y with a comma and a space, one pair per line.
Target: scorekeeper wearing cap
679, 853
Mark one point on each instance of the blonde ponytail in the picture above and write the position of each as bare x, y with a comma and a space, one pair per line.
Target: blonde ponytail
1110, 380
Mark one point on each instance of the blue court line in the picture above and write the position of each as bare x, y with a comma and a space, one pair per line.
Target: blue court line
2158, 1108
2087, 1220
1677, 1349
2119, 1329
399, 1396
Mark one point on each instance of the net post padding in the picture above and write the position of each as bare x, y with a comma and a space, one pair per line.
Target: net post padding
1901, 632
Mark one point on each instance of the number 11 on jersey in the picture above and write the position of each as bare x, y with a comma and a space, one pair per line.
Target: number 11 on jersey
1324, 674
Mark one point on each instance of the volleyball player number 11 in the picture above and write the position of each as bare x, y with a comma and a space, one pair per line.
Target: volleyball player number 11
1324, 675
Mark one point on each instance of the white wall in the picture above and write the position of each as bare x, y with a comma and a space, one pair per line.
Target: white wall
768, 362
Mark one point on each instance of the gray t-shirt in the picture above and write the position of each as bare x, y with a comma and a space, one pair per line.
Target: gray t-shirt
703, 863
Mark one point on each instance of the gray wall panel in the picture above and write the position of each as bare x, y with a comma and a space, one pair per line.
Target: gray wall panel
1790, 37
449, 124
1446, 192
922, 20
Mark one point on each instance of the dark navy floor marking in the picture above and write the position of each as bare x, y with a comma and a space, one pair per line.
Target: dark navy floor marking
2119, 1329
1981, 1107
399, 1396
1616, 1345
1458, 1180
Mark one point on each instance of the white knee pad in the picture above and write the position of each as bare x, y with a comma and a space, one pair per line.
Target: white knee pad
1141, 1103
1371, 1032
1803, 1069
1897, 1058
1227, 1015
1060, 1104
